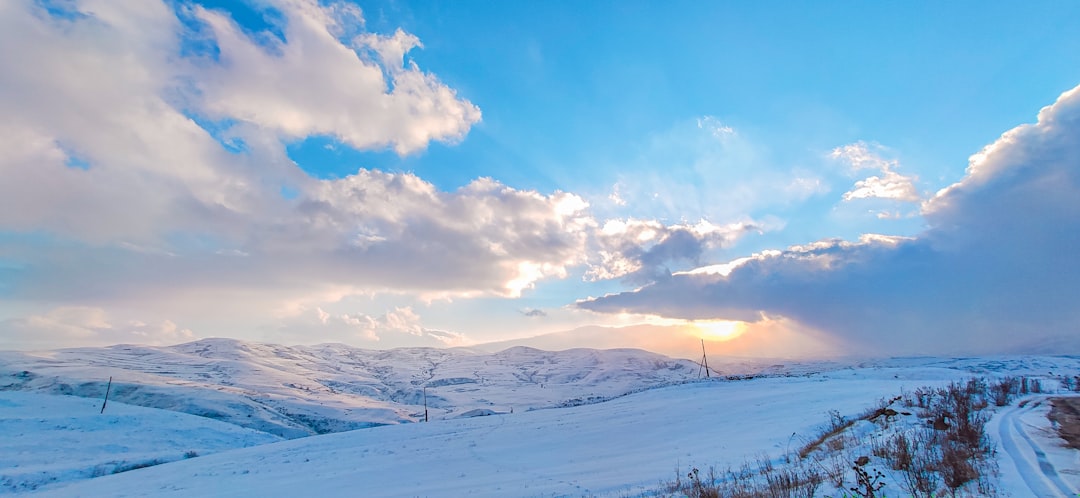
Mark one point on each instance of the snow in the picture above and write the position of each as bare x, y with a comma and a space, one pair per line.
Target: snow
305, 390
49, 438
1034, 457
653, 419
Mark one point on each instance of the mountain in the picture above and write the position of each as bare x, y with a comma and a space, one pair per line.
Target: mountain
771, 342
295, 391
626, 446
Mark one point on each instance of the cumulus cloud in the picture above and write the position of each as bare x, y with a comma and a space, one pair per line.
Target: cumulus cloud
106, 88
369, 232
995, 271
140, 172
642, 251
87, 326
888, 184
313, 84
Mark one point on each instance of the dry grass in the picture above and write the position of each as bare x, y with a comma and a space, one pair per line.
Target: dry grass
948, 455
831, 434
1065, 414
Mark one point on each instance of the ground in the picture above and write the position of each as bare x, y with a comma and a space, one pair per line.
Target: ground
1065, 415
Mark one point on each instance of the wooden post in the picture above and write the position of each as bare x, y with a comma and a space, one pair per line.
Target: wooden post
107, 389
425, 403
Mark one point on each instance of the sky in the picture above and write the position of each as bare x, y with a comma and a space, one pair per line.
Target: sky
780, 179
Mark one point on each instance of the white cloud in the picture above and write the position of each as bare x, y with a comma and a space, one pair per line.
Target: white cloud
398, 327
715, 127
890, 185
614, 197
887, 185
160, 215
995, 271
86, 326
861, 155
316, 85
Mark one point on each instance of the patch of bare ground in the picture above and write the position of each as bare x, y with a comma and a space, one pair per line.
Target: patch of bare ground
1065, 413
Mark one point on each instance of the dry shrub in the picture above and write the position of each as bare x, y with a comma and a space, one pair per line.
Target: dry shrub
837, 424
760, 479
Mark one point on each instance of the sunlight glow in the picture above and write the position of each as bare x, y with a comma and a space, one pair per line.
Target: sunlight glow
718, 330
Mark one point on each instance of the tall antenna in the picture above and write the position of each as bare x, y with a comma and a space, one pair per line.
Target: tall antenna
704, 361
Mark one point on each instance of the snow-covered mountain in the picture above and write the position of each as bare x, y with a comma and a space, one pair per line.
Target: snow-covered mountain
303, 390
623, 420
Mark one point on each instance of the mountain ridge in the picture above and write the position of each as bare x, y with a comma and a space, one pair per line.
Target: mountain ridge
295, 391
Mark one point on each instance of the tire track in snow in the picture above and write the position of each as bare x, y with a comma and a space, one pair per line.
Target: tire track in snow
1040, 476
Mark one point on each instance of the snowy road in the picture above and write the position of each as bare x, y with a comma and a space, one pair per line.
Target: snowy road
1030, 453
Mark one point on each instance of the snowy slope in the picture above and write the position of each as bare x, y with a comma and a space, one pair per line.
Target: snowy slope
48, 438
625, 446
304, 390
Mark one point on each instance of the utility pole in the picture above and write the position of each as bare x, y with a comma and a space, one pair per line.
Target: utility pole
704, 361
107, 389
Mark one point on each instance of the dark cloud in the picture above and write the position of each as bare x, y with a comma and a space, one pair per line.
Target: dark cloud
533, 312
998, 269
644, 251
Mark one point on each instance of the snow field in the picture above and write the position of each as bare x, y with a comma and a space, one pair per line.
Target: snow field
57, 439
550, 446
304, 390
623, 446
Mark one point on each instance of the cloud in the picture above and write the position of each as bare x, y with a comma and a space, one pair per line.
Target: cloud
642, 251
888, 185
110, 87
768, 338
533, 312
369, 232
86, 326
142, 173
705, 168
313, 84
995, 271
715, 127
398, 327
163, 205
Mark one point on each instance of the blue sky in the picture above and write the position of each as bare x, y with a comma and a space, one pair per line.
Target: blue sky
449, 173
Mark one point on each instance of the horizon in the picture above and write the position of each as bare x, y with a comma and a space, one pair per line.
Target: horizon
809, 181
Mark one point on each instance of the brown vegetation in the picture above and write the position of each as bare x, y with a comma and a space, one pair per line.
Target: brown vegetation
948, 455
1065, 415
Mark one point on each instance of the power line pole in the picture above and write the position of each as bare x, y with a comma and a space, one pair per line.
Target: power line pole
704, 361
107, 389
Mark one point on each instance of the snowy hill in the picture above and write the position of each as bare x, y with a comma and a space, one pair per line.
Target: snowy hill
49, 439
304, 390
624, 446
